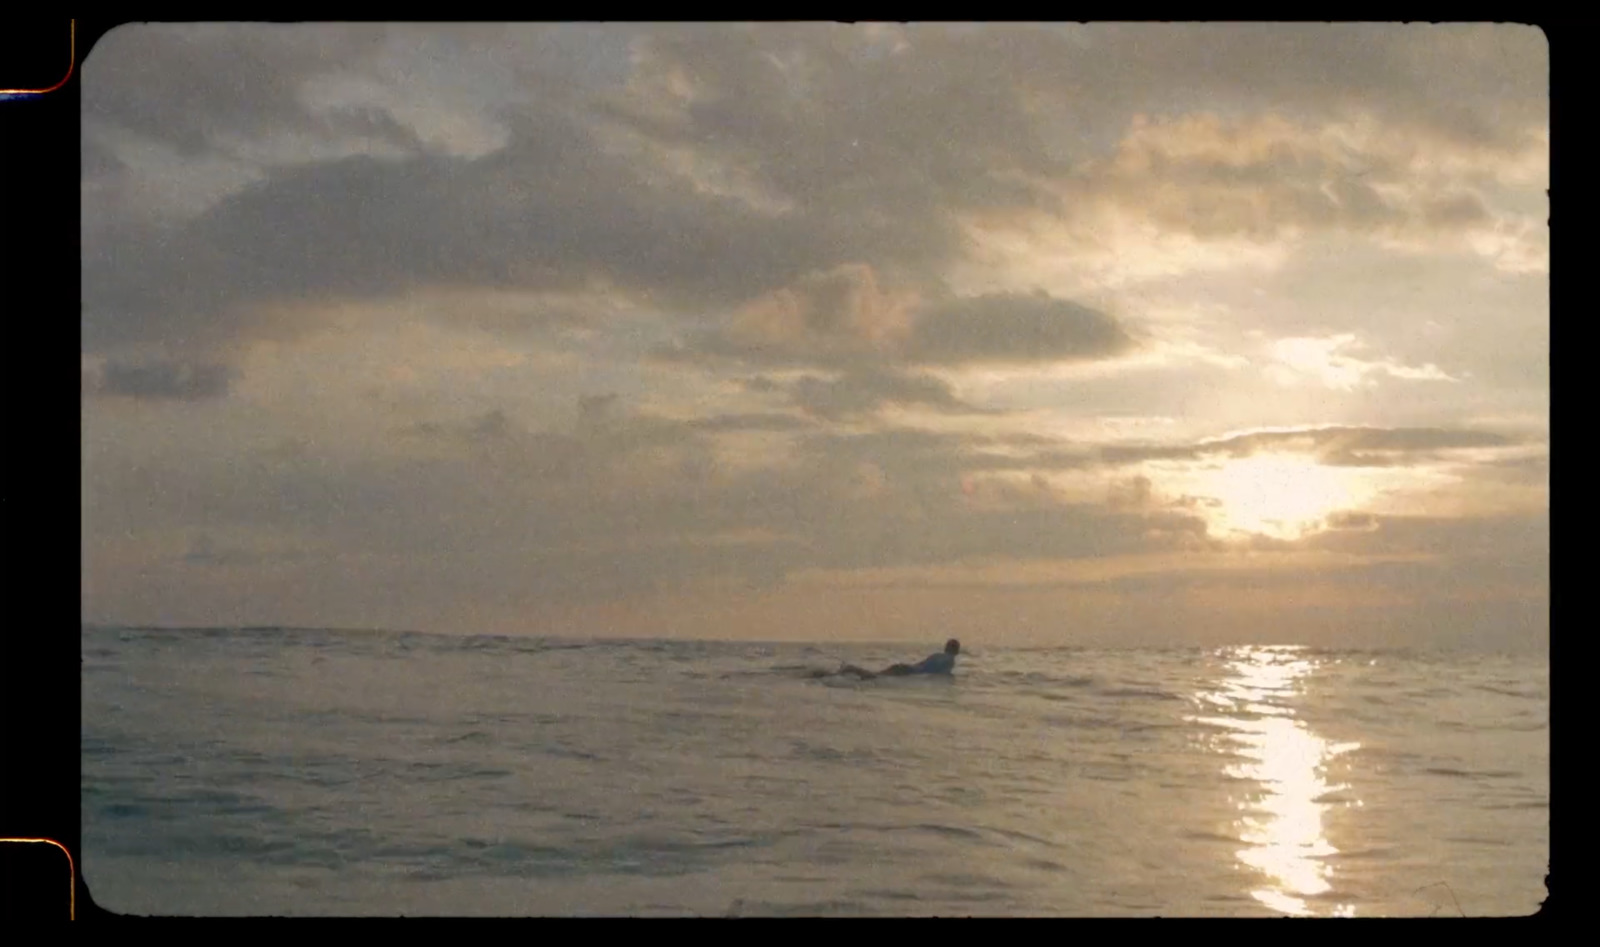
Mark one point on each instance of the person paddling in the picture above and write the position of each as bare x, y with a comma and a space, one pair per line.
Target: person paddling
943, 662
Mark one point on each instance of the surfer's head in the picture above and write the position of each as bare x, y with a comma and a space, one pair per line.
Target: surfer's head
952, 647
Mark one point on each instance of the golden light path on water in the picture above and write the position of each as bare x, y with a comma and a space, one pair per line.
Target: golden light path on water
1281, 821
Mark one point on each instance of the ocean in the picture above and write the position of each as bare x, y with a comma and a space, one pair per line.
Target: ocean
268, 772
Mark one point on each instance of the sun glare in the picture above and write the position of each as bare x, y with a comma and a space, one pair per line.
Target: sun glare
1285, 497
1286, 766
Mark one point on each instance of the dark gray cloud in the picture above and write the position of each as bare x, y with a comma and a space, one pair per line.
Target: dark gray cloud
491, 424
355, 226
206, 552
1376, 447
599, 422
957, 119
1339, 446
828, 331
861, 392
1516, 542
553, 206
823, 113
1282, 193
956, 113
874, 178
1336, 446
756, 421
594, 410
96, 160
184, 84
161, 380
1410, 74
1456, 210
1015, 328
1135, 494
1363, 522
549, 211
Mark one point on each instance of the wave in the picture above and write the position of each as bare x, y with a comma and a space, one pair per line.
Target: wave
1471, 774
1512, 691
1137, 692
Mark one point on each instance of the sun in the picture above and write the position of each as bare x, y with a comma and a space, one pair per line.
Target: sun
1282, 496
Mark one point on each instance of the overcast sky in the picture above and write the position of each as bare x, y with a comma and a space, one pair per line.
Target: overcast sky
1078, 334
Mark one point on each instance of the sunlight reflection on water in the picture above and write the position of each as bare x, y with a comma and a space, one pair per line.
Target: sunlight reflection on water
1281, 822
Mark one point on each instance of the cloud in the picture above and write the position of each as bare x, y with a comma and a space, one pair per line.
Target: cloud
847, 323
467, 237
1266, 176
630, 506
768, 421
1333, 445
1319, 359
188, 83
783, 105
993, 94
1338, 445
605, 180
837, 316
550, 211
594, 410
1405, 74
1007, 328
862, 392
1278, 128
162, 380
252, 551
1134, 493
1130, 572
1363, 522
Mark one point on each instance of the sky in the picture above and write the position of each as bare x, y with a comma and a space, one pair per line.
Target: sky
1030, 334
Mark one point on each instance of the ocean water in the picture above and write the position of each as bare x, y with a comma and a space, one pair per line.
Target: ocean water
270, 772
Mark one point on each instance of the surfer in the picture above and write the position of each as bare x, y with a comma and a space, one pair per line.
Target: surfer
944, 662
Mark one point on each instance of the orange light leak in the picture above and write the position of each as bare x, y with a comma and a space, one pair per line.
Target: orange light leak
72, 870
72, 63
